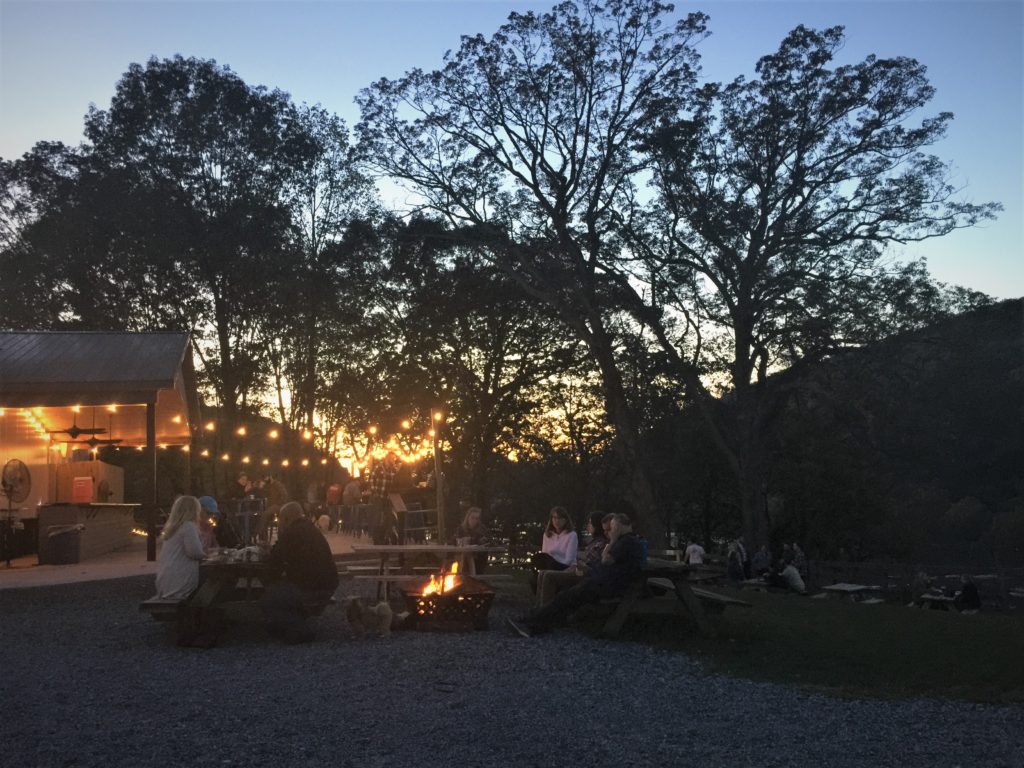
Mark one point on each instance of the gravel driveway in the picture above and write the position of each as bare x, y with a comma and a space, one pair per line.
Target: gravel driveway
89, 681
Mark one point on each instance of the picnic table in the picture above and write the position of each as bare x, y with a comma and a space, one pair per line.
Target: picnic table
674, 580
757, 585
392, 565
938, 601
853, 592
199, 618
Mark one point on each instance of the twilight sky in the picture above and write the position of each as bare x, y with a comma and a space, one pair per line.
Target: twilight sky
58, 57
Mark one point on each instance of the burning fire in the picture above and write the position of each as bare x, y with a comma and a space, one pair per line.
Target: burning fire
446, 582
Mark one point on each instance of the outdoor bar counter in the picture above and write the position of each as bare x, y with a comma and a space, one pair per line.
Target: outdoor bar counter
69, 533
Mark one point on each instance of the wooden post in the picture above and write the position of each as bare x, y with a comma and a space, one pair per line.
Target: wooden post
150, 497
438, 476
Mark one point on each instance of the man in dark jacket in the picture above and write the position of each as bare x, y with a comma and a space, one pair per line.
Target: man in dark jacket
302, 561
621, 564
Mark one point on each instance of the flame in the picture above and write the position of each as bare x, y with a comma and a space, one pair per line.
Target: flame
446, 582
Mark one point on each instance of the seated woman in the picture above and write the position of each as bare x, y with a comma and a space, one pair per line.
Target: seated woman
473, 532
550, 583
177, 574
303, 562
558, 546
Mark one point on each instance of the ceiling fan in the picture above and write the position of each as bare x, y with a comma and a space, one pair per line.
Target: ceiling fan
92, 442
76, 431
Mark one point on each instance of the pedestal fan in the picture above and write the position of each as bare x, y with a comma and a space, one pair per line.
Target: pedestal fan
15, 484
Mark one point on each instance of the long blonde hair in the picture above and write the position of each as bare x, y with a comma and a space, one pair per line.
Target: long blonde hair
184, 510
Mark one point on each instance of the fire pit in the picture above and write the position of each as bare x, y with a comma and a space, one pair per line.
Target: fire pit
449, 602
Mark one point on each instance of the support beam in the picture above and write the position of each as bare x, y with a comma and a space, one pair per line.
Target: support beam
150, 496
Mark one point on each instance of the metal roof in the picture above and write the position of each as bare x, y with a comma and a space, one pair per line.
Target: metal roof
57, 370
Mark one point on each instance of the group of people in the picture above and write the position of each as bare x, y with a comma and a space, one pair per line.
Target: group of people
300, 566
789, 571
567, 578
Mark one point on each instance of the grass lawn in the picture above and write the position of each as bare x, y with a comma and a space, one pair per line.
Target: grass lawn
848, 649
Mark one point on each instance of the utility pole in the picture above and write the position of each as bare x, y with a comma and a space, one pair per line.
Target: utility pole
438, 418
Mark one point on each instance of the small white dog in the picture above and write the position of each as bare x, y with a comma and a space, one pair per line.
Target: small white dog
372, 620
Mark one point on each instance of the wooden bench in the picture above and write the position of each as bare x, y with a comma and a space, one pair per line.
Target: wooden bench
160, 608
495, 578
642, 598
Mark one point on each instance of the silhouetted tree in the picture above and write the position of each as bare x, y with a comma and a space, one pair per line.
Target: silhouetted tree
527, 141
776, 200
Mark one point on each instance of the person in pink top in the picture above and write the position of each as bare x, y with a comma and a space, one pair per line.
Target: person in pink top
558, 546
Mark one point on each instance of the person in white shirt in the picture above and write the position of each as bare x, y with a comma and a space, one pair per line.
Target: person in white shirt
559, 545
694, 554
177, 573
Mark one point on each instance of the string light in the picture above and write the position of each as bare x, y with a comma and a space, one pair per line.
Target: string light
273, 434
285, 462
210, 426
176, 418
305, 462
306, 434
266, 462
245, 459
225, 457
204, 452
373, 429
323, 461
406, 424
240, 431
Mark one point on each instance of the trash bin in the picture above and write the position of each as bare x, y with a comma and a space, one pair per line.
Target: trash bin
61, 545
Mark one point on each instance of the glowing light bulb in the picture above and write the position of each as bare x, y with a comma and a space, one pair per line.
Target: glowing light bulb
210, 426
406, 424
273, 434
240, 431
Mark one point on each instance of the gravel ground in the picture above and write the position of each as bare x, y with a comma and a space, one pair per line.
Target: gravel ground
89, 681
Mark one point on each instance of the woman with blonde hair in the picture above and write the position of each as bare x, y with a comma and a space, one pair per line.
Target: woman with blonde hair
177, 574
